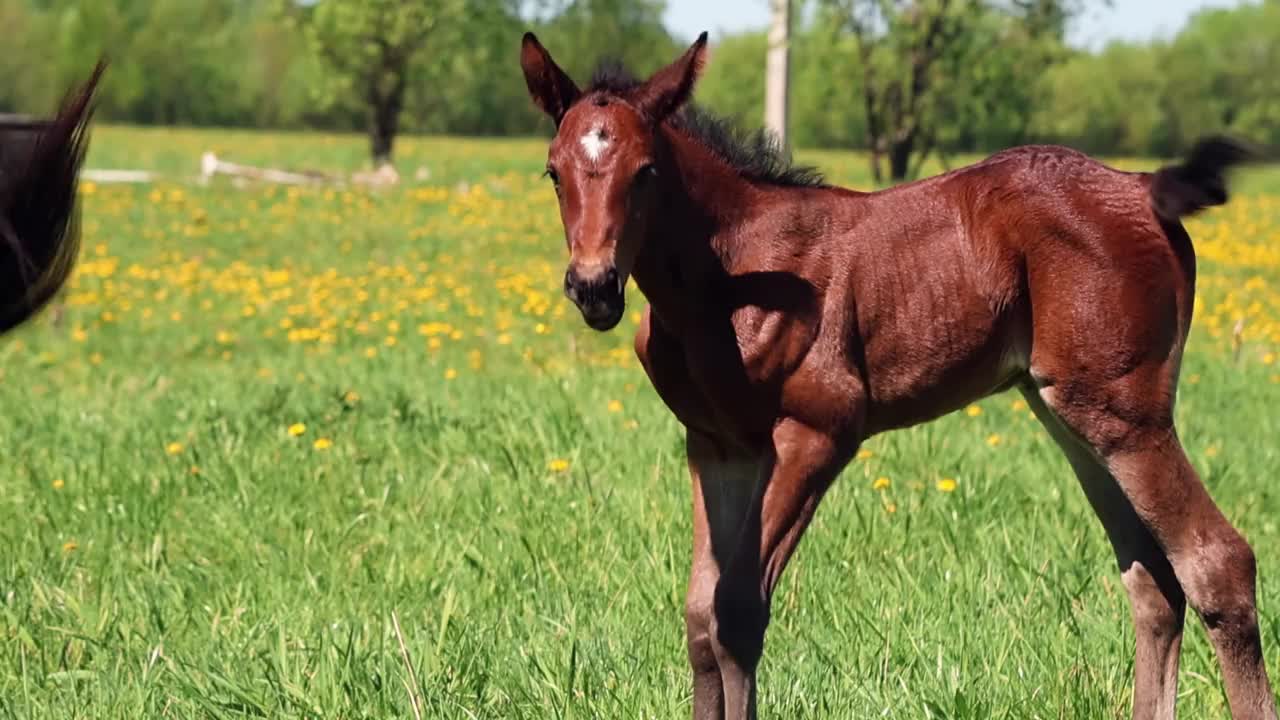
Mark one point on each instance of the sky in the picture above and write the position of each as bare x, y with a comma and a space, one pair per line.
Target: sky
1124, 20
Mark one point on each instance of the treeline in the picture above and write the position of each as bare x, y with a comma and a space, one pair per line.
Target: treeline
248, 63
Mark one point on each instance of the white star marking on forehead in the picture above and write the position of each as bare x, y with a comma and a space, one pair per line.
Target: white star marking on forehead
594, 143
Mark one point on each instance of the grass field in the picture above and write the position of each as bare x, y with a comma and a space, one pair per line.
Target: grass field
265, 420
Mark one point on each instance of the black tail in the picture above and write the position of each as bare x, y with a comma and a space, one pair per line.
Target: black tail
38, 234
1200, 181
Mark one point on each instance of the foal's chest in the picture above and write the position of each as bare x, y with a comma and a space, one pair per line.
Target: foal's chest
725, 378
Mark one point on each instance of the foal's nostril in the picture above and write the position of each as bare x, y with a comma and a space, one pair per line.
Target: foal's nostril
611, 280
571, 285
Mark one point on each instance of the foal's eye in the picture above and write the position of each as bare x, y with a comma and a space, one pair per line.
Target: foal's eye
647, 172
551, 173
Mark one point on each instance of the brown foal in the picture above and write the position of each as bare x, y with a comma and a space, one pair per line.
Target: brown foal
789, 320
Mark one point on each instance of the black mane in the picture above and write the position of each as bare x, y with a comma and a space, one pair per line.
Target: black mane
757, 156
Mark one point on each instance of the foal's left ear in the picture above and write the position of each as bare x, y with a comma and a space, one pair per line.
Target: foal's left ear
549, 86
670, 87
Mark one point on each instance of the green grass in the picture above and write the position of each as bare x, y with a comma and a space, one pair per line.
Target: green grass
169, 549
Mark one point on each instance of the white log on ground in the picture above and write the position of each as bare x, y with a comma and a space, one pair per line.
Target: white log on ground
211, 165
107, 177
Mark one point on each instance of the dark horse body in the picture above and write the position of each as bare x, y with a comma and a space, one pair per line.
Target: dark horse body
790, 320
39, 163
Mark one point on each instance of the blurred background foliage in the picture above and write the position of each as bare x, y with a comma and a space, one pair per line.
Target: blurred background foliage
1006, 76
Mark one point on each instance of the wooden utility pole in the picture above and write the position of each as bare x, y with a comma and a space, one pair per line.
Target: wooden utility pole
777, 73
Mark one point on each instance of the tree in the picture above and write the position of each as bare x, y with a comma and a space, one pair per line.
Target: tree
900, 46
370, 46
731, 84
1220, 74
919, 60
1109, 102
584, 32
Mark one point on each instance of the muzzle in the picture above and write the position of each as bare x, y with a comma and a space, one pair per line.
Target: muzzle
599, 298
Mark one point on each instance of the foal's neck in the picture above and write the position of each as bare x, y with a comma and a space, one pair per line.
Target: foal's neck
690, 242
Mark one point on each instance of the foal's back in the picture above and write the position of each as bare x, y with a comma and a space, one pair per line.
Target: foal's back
964, 283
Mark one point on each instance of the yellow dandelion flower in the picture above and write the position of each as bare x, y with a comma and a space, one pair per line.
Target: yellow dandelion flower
450, 374
994, 440
973, 411
195, 470
70, 546
322, 444
1194, 378
370, 352
1019, 405
615, 406
865, 454
947, 485
1211, 451
890, 508
1269, 358
351, 397
558, 465
880, 484
173, 448
58, 484
297, 429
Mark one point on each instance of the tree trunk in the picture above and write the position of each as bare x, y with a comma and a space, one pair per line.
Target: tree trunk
382, 132
900, 158
877, 176
384, 120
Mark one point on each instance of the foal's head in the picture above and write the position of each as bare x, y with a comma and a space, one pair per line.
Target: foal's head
605, 163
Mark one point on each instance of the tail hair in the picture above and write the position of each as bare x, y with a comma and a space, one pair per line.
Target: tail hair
39, 233
1200, 181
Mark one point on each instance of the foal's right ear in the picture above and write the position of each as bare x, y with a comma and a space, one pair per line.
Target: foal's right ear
670, 87
550, 87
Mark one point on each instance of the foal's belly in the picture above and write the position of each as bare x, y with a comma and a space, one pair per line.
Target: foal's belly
950, 340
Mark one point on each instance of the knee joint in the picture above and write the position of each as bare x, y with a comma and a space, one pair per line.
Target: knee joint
1223, 589
1158, 603
698, 617
741, 616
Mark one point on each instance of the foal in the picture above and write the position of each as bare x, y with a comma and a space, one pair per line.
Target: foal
789, 320
39, 162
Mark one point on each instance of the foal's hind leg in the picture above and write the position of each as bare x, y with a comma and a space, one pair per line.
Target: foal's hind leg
1155, 596
1126, 422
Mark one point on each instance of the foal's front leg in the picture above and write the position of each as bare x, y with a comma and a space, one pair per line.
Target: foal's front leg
724, 484
745, 541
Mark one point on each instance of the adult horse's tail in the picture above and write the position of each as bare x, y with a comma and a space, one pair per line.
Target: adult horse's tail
39, 237
1200, 181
